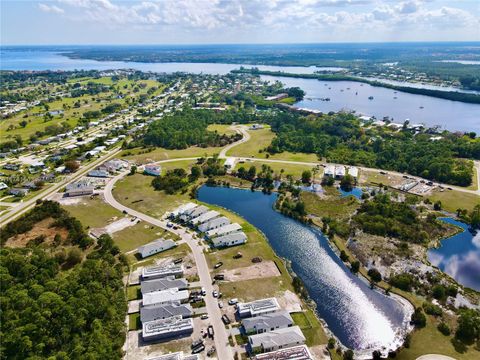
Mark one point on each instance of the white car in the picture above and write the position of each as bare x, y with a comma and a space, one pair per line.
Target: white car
220, 304
204, 317
215, 293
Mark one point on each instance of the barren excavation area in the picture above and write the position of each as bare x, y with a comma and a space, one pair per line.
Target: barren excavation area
260, 270
41, 229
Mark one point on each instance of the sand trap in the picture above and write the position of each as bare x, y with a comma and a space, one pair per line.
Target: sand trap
260, 270
435, 357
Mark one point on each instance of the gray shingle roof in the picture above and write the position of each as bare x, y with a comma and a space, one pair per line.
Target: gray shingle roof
163, 311
163, 284
279, 319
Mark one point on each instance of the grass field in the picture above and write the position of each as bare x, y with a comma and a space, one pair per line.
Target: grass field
137, 193
259, 140
474, 185
333, 206
288, 169
93, 213
134, 322
141, 157
453, 200
140, 234
310, 326
133, 292
221, 129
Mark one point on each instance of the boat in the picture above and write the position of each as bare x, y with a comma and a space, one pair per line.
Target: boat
421, 107
394, 97
370, 98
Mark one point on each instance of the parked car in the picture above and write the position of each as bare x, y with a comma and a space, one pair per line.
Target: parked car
217, 265
197, 343
225, 319
198, 349
210, 331
233, 301
203, 291
215, 293
220, 304
204, 317
219, 277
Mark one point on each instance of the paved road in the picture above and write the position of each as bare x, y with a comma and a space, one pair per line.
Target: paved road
21, 208
224, 350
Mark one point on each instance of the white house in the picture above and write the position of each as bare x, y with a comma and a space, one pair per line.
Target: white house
230, 240
164, 296
224, 230
353, 171
330, 171
213, 224
151, 169
339, 171
155, 247
277, 339
209, 215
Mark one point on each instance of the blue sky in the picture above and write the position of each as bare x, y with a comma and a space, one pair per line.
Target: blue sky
236, 21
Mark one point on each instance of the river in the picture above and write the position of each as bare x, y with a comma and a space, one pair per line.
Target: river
361, 318
450, 115
459, 256
398, 106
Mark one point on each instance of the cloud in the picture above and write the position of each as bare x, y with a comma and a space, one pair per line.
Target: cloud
50, 9
267, 15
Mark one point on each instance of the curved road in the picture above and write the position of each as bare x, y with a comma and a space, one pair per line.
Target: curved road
222, 346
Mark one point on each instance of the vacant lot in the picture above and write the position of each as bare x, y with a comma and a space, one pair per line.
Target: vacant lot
221, 129
453, 200
259, 141
332, 206
143, 156
93, 213
140, 234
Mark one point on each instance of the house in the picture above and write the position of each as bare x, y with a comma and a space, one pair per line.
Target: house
329, 171
209, 215
224, 230
163, 284
18, 192
258, 307
353, 172
79, 188
232, 239
98, 173
154, 170
166, 328
276, 340
194, 212
292, 353
229, 163
182, 209
339, 171
162, 271
164, 311
115, 165
155, 247
213, 224
165, 296
268, 322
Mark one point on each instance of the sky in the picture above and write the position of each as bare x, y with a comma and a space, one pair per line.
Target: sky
60, 22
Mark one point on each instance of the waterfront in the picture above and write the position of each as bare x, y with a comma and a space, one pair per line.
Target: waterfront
361, 318
396, 105
459, 256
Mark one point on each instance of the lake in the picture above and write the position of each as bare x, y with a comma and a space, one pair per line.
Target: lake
49, 60
459, 256
361, 318
398, 106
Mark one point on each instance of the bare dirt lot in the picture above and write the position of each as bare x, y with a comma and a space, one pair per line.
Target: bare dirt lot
260, 270
40, 229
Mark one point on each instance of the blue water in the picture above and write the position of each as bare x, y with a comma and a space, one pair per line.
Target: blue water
398, 106
459, 256
36, 59
357, 192
361, 318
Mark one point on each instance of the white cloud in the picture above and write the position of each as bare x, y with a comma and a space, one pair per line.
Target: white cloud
50, 8
267, 15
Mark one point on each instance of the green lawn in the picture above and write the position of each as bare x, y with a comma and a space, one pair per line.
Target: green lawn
288, 169
261, 139
142, 156
308, 322
137, 193
94, 213
221, 129
134, 322
474, 185
452, 200
133, 292
138, 235
430, 341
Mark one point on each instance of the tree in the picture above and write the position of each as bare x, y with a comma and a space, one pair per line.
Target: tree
348, 355
418, 318
252, 172
296, 92
306, 176
23, 123
475, 217
347, 183
74, 257
195, 173
355, 267
375, 275
71, 165
437, 205
133, 170
468, 330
